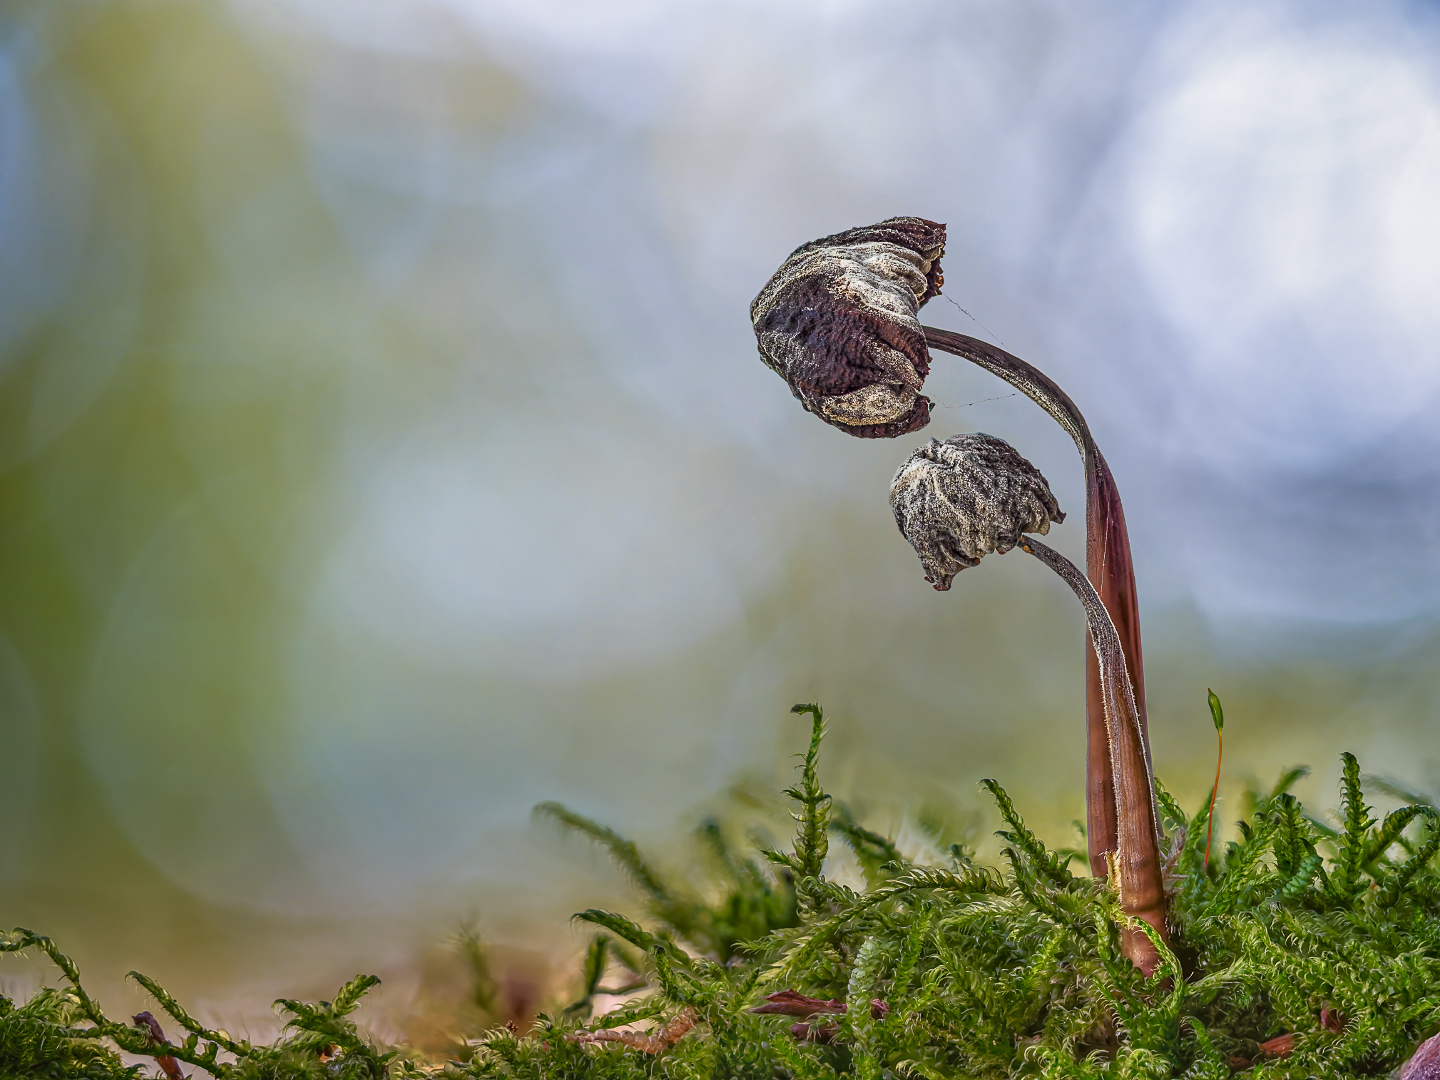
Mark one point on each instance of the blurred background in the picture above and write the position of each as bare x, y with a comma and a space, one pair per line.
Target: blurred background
385, 448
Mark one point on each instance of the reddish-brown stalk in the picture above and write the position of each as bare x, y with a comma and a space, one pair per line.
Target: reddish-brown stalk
1110, 570
1210, 817
1135, 861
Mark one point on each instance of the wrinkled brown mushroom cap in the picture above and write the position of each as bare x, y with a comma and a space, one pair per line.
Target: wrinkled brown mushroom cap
1425, 1064
958, 500
839, 322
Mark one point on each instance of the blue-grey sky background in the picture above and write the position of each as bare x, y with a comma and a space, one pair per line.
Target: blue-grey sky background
385, 448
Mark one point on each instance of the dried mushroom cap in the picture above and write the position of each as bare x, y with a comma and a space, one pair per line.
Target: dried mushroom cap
958, 500
840, 323
1425, 1063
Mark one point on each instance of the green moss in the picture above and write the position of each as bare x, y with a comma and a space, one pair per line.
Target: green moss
1329, 937
63, 1033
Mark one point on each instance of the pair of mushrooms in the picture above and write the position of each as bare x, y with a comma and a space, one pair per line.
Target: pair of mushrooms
840, 323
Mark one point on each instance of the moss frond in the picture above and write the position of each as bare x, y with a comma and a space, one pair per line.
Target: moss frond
812, 821
1300, 951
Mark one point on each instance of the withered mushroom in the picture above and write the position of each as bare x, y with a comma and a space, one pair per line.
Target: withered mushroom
967, 496
958, 500
839, 322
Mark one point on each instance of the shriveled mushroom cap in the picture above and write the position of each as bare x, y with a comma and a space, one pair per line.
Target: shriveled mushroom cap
840, 323
1425, 1064
958, 500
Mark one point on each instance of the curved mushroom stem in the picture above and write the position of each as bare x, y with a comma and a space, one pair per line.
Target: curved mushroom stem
1029, 380
1138, 868
1108, 562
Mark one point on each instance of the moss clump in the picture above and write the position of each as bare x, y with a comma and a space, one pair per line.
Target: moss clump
64, 1034
1299, 951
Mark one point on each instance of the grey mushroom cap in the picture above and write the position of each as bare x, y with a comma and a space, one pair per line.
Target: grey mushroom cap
1425, 1064
839, 322
960, 499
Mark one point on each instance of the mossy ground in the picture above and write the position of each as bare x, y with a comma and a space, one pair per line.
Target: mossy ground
1299, 951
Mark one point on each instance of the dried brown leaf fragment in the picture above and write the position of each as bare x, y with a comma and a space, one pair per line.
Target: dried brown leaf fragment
168, 1065
793, 1003
648, 1042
